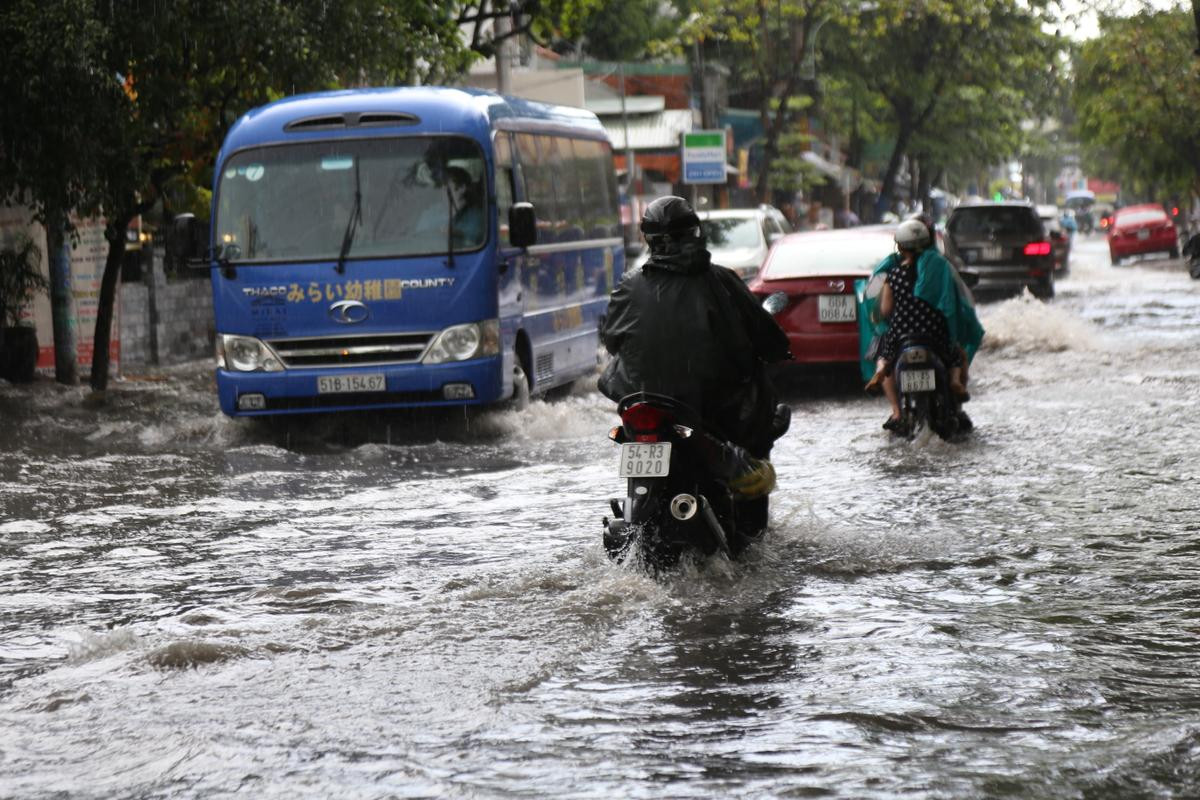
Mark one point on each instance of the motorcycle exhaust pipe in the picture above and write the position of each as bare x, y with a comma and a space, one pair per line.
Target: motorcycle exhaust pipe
715, 526
684, 507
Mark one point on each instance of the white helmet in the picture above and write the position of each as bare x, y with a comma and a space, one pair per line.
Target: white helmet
912, 235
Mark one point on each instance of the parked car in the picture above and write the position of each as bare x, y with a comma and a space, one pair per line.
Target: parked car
1137, 230
1005, 244
1060, 239
817, 271
739, 238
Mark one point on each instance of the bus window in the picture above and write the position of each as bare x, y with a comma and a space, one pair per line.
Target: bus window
539, 183
595, 173
504, 182
570, 222
298, 201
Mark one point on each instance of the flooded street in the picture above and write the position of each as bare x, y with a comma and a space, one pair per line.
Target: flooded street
194, 607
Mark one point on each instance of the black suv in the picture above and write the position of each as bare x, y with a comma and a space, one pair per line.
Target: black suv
1005, 244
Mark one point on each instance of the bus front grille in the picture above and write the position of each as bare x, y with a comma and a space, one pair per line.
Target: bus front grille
348, 351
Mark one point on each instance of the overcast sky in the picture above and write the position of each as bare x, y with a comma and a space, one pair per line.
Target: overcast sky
1081, 22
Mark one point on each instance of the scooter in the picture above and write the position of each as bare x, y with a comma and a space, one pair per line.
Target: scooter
678, 496
926, 401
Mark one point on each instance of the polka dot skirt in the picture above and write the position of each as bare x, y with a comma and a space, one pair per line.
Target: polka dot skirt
913, 316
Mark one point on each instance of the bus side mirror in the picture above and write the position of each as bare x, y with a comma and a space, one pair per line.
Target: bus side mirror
189, 240
522, 225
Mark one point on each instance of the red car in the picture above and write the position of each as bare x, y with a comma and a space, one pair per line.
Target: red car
817, 270
1141, 229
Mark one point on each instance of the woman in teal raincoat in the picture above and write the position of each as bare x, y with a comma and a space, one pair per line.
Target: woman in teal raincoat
917, 291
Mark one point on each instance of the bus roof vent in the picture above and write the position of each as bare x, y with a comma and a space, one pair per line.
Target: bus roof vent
387, 118
323, 123
351, 120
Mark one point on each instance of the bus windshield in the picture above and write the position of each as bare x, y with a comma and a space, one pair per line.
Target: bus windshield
353, 198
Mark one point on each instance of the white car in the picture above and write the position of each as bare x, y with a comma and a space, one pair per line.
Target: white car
739, 238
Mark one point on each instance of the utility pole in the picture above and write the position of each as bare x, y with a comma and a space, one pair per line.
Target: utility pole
503, 32
630, 167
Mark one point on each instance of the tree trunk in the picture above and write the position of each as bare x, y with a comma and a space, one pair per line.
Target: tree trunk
62, 302
107, 301
924, 186
884, 203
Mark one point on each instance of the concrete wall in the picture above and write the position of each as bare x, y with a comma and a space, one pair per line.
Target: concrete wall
165, 321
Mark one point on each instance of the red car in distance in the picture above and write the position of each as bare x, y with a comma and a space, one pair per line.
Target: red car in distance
817, 271
1145, 228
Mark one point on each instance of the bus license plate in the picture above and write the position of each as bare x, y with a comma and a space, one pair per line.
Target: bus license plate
918, 380
651, 460
836, 308
347, 384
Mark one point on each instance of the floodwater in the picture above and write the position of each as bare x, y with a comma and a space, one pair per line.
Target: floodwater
196, 607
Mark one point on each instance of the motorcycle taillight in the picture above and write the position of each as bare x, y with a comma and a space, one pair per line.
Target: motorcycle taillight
644, 421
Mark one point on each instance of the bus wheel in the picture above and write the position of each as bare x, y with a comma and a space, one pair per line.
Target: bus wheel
520, 395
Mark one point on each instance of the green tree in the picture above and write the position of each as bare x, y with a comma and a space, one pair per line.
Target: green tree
1137, 86
956, 77
623, 30
765, 44
59, 105
145, 91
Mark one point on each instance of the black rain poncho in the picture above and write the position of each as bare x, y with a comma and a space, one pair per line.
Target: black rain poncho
689, 329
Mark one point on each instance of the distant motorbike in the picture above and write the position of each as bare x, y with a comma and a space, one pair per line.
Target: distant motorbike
678, 496
926, 401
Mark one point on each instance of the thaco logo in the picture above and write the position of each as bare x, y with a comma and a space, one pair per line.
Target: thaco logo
348, 312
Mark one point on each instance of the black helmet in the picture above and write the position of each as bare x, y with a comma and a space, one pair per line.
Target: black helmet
669, 224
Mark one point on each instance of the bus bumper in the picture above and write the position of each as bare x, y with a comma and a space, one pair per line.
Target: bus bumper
299, 391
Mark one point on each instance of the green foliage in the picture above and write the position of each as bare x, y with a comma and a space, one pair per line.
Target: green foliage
956, 78
623, 30
60, 106
20, 277
1137, 89
789, 172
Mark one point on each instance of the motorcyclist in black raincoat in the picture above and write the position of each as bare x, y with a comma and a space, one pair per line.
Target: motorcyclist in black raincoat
685, 327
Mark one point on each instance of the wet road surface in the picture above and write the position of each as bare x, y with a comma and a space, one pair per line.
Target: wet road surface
192, 606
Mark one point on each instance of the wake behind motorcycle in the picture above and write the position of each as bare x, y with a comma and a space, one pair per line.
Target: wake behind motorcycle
926, 401
680, 479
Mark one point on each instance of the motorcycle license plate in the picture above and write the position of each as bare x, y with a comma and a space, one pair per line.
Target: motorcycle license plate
918, 380
836, 308
645, 460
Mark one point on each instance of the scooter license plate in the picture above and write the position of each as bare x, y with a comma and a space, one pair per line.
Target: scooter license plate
645, 460
918, 380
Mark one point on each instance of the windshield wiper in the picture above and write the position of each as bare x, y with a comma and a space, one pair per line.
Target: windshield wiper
352, 223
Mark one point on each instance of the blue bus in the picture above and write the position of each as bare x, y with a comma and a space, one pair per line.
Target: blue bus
381, 248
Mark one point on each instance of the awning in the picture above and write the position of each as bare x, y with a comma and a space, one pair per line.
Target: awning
826, 167
660, 131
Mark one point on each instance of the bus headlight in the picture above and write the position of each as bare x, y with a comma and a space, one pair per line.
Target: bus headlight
463, 342
245, 354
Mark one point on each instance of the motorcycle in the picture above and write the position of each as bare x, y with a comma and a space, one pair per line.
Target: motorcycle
926, 402
678, 485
